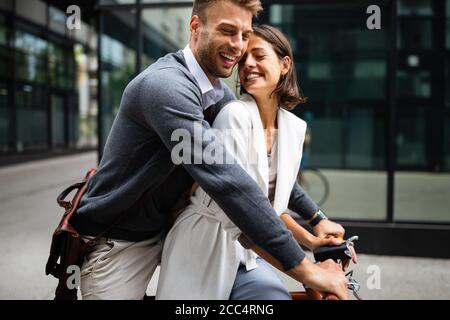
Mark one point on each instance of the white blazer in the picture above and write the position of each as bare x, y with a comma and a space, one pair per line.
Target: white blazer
201, 255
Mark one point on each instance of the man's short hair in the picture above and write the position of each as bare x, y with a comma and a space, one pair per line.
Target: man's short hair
201, 6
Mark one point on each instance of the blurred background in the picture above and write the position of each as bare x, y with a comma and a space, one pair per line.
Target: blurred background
378, 113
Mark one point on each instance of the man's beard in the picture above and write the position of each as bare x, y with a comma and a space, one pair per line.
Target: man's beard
207, 57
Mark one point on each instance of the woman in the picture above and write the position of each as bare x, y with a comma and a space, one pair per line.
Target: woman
206, 260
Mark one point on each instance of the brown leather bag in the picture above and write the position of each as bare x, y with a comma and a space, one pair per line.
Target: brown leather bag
67, 248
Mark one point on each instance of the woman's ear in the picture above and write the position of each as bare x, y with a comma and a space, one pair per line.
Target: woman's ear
285, 65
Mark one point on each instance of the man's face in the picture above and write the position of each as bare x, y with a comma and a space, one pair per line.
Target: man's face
222, 39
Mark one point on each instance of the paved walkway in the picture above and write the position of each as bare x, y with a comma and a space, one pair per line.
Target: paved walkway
29, 214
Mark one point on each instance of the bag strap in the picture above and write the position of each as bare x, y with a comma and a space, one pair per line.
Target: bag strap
71, 207
143, 199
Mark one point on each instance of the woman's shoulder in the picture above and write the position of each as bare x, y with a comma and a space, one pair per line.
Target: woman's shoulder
296, 120
234, 113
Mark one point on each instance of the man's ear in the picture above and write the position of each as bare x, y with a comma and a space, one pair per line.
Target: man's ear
285, 65
194, 25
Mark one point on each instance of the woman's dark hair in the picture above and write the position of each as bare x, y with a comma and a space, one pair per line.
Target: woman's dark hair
287, 90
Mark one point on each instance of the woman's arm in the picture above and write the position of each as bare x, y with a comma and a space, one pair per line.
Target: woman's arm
304, 237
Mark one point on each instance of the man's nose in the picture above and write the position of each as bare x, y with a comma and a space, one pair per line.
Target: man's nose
237, 43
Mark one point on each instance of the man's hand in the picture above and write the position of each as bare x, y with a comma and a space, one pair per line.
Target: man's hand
326, 277
346, 263
326, 228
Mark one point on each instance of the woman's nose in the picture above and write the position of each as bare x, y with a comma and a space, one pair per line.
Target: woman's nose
249, 62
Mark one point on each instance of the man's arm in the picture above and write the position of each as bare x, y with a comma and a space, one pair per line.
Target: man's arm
168, 110
326, 277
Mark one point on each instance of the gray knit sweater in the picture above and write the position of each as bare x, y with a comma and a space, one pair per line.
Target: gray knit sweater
137, 158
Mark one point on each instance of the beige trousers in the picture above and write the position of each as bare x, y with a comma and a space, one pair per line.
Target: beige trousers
118, 269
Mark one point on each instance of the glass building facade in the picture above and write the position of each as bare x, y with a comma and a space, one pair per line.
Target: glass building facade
378, 105
47, 80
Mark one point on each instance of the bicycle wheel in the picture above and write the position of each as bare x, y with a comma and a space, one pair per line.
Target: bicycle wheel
316, 185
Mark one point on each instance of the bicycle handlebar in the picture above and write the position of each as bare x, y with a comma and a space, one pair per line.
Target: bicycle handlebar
340, 254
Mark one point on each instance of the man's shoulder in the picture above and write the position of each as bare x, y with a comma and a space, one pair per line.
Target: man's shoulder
168, 72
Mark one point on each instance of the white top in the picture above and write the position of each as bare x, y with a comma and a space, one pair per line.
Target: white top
272, 159
201, 253
211, 92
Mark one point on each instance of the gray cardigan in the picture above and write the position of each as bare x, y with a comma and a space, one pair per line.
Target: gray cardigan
137, 158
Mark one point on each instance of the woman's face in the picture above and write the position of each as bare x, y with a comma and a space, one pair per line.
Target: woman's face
260, 68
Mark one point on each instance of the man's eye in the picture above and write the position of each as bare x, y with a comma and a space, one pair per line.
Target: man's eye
227, 31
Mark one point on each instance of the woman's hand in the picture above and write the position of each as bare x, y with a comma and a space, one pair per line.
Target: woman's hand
316, 242
329, 228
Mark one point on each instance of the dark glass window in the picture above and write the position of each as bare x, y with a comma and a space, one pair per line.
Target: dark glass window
163, 31
422, 134
31, 55
5, 118
32, 118
5, 51
118, 62
342, 68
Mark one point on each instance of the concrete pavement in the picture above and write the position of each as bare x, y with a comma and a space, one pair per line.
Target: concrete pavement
29, 214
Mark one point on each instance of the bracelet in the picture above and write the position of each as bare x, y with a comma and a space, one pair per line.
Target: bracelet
319, 217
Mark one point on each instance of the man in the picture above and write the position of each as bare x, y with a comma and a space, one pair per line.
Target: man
137, 182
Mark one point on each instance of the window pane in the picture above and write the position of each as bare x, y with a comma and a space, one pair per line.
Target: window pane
411, 136
58, 115
33, 10
422, 196
5, 51
415, 33
118, 61
5, 116
447, 140
415, 25
32, 124
85, 117
422, 190
57, 65
415, 7
57, 20
31, 54
163, 31
342, 69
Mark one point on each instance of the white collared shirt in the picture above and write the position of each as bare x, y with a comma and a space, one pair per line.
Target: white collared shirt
211, 92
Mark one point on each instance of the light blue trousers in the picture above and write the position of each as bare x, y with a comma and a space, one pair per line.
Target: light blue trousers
262, 283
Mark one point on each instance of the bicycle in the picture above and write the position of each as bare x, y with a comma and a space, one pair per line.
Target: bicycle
315, 184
